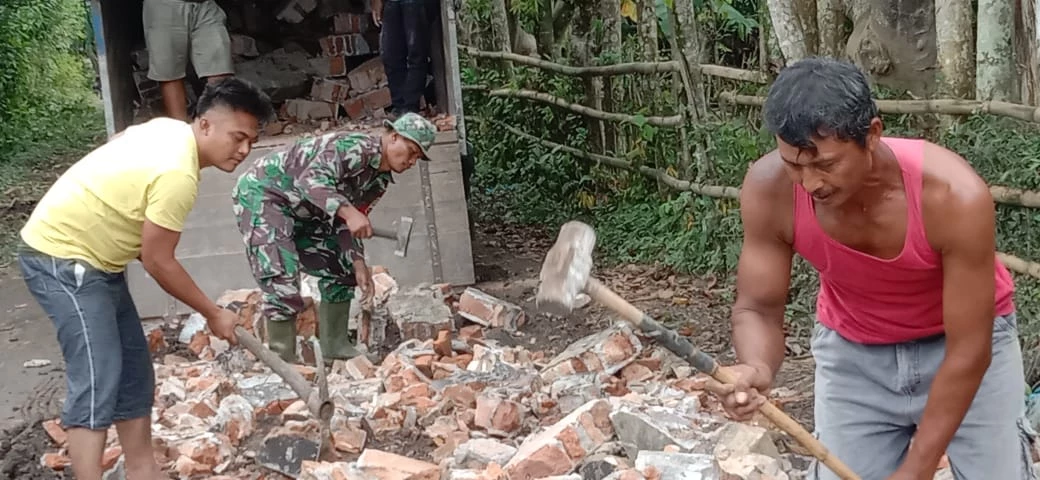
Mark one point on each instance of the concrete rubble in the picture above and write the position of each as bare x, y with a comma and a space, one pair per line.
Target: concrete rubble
446, 402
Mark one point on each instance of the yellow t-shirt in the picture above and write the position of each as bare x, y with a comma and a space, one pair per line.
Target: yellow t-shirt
95, 211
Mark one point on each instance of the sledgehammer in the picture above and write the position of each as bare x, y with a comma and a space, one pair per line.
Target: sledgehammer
566, 272
402, 234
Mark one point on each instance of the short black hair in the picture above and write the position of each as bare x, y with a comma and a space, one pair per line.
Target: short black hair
820, 97
236, 94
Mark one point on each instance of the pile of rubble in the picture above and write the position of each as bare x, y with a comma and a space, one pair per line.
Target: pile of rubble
611, 405
318, 61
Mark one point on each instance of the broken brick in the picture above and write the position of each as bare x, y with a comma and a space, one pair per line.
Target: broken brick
359, 368
367, 76
607, 351
497, 415
349, 439
330, 67
156, 341
294, 11
376, 99
55, 461
349, 44
486, 310
301, 110
419, 314
442, 344
56, 432
349, 23
386, 465
243, 46
559, 449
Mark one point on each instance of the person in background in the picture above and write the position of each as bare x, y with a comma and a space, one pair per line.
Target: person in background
177, 29
305, 208
128, 199
405, 49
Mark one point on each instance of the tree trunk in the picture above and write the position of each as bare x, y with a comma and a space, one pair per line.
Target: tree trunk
955, 50
546, 31
894, 42
500, 29
1027, 50
610, 13
830, 21
794, 22
994, 60
646, 28
582, 50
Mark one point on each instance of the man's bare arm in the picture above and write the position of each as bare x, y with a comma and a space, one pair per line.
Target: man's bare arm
158, 245
763, 274
964, 231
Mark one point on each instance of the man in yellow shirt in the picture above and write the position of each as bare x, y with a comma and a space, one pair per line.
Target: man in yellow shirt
128, 199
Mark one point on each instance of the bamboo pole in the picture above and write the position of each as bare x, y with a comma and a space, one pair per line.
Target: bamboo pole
1013, 263
591, 71
657, 121
643, 68
731, 73
937, 106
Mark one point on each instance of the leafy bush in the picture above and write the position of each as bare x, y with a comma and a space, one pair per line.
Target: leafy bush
46, 79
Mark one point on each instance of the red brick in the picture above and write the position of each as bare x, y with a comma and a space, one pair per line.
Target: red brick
349, 23
56, 432
295, 10
558, 449
380, 464
328, 90
355, 108
442, 344
111, 456
376, 100
489, 311
330, 66
299, 109
349, 44
55, 461
368, 75
497, 415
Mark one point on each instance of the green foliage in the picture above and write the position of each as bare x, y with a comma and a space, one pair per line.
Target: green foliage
46, 79
639, 221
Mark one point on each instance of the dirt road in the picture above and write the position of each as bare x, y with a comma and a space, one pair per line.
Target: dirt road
29, 393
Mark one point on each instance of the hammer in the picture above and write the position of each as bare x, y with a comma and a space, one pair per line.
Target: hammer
402, 235
566, 272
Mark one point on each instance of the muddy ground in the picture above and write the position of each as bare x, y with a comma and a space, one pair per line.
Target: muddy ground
507, 260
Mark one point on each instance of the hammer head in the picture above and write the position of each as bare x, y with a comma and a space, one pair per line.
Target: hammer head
404, 234
566, 268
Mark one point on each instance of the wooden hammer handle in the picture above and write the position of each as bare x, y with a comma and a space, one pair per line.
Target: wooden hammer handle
705, 363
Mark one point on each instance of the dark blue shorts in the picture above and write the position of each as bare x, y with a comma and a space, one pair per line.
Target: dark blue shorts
109, 371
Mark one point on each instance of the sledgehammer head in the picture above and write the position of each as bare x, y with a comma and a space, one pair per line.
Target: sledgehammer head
404, 234
566, 268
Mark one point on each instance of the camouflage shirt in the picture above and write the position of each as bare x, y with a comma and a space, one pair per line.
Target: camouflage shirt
314, 177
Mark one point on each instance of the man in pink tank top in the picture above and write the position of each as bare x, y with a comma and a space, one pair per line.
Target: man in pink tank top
916, 338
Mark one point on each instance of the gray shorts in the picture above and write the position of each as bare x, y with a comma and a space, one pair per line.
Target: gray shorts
109, 375
175, 29
869, 399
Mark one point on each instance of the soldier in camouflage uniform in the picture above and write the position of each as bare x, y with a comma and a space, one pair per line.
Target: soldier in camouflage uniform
306, 208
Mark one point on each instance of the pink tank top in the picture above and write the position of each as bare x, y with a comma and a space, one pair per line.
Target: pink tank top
871, 300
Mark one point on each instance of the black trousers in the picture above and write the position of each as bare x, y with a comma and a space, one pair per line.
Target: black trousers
405, 52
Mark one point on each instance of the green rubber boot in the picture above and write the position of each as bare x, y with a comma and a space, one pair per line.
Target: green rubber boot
281, 339
333, 331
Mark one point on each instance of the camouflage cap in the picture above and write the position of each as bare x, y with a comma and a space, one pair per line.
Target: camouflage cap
416, 128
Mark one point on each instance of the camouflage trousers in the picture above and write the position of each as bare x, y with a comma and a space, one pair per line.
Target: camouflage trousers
279, 246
